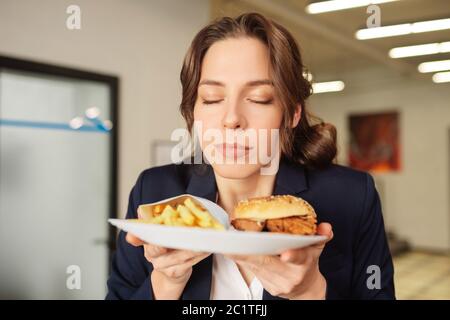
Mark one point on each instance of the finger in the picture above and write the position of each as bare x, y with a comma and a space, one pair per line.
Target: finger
295, 256
174, 258
324, 229
300, 256
255, 263
180, 270
275, 276
259, 263
193, 261
235, 257
270, 286
253, 259
153, 251
133, 240
274, 281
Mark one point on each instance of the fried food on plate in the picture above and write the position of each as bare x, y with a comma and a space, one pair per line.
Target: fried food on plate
185, 212
285, 214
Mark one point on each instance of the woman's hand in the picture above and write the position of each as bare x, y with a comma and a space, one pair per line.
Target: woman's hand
171, 268
294, 274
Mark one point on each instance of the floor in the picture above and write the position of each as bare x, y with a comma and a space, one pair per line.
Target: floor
422, 275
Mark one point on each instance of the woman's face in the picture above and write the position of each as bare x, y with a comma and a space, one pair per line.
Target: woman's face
237, 100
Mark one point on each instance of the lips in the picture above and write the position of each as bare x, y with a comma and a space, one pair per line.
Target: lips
233, 150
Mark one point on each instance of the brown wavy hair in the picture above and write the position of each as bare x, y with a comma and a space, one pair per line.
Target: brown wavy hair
312, 145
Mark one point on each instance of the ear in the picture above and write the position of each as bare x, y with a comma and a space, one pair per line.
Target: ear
297, 116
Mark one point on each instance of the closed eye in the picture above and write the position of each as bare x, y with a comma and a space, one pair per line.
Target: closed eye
212, 101
261, 101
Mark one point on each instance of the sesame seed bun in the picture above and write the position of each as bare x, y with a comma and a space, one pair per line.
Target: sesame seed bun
273, 207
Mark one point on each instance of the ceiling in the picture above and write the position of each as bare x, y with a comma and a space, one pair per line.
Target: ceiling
327, 40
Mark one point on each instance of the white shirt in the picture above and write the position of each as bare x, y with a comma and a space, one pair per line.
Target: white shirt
228, 283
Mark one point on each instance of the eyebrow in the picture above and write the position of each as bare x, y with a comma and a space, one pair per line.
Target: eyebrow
253, 83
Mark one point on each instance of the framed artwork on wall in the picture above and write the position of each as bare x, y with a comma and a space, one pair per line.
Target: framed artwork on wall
375, 142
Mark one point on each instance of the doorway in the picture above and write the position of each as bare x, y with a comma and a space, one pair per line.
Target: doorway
58, 178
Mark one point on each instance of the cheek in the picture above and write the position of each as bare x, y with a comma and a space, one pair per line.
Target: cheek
207, 125
269, 118
207, 117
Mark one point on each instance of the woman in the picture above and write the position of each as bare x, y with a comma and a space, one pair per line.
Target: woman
241, 75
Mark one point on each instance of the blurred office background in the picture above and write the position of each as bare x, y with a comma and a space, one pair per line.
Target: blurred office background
69, 99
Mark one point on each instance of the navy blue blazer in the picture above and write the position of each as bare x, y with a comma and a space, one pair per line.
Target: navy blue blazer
344, 197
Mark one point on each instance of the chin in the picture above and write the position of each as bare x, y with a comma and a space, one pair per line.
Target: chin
236, 171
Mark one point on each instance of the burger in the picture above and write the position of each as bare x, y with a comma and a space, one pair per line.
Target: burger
285, 214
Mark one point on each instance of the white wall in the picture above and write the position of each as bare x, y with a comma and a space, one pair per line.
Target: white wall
416, 199
143, 42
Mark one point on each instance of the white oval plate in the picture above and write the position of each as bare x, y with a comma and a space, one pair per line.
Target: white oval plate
215, 241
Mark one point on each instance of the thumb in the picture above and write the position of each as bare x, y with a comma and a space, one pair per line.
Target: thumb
133, 240
324, 229
298, 256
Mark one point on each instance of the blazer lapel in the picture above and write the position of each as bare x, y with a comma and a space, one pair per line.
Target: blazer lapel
290, 179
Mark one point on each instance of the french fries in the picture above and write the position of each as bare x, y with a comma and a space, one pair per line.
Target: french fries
186, 214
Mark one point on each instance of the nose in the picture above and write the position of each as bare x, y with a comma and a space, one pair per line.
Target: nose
233, 117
